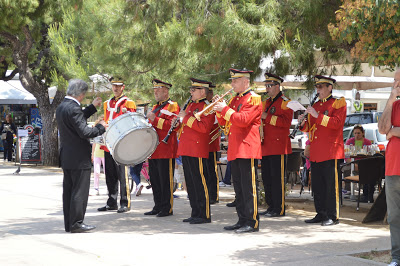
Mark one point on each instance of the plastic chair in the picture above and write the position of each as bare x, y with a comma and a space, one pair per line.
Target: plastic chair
370, 171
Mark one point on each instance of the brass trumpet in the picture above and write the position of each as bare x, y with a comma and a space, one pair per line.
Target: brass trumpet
210, 106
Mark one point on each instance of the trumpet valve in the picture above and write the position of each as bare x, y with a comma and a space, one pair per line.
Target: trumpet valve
197, 115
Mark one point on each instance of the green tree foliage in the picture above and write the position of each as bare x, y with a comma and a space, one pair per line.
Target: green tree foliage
25, 49
175, 40
372, 30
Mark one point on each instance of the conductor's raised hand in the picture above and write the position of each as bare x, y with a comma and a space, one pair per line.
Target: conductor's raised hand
97, 101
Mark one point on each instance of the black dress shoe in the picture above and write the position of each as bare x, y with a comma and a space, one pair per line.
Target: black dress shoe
314, 220
273, 214
187, 220
329, 222
107, 208
123, 209
264, 212
152, 212
246, 229
231, 204
81, 228
200, 221
163, 214
213, 202
233, 227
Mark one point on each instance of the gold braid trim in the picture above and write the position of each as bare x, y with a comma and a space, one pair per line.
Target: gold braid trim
228, 114
160, 123
254, 100
191, 121
273, 120
325, 121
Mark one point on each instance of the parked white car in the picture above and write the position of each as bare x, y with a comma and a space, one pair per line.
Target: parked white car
371, 133
299, 140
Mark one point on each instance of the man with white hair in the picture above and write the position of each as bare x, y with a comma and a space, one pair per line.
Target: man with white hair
75, 153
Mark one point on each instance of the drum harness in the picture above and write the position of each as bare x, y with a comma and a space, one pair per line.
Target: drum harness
111, 116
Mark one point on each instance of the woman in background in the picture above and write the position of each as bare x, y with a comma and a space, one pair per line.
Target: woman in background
98, 160
8, 130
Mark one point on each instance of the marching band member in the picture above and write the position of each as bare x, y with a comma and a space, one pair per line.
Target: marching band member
243, 117
214, 147
114, 107
276, 121
193, 147
325, 120
162, 161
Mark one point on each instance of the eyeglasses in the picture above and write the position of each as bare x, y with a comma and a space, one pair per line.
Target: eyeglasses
269, 85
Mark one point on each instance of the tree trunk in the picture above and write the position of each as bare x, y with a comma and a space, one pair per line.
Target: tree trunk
50, 131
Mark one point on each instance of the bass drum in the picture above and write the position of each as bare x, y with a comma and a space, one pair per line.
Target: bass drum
130, 139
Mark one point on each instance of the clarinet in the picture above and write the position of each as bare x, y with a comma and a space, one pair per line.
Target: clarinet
291, 135
173, 125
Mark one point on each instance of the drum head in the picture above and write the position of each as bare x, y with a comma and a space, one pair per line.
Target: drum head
136, 146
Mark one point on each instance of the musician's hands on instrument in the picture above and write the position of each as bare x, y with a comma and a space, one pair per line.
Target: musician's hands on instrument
103, 123
264, 115
219, 106
312, 112
97, 102
182, 113
173, 121
301, 118
150, 115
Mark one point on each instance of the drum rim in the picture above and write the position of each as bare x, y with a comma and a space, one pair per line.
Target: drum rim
151, 151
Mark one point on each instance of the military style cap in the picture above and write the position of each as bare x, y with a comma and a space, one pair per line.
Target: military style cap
318, 79
272, 77
196, 83
239, 73
116, 81
158, 84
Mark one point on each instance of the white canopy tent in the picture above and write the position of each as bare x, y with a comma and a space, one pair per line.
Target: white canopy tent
12, 92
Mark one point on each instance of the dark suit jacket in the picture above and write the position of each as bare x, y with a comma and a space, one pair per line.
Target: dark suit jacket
75, 148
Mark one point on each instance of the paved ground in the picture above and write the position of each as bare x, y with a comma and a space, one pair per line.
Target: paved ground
31, 232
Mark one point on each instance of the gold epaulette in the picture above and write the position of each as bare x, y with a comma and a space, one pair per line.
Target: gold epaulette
130, 104
254, 99
264, 103
339, 103
284, 105
173, 107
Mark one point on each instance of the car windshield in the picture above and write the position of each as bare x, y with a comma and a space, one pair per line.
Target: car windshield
380, 137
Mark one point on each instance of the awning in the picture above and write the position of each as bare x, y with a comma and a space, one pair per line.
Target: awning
12, 92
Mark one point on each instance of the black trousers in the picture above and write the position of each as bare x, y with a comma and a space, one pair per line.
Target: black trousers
76, 185
325, 186
7, 145
161, 173
244, 173
273, 176
212, 176
115, 173
196, 183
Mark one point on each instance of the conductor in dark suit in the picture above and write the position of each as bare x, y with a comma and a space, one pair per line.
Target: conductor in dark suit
75, 153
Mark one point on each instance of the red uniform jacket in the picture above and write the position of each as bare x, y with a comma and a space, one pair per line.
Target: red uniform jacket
162, 124
215, 145
276, 126
115, 107
326, 131
243, 116
194, 137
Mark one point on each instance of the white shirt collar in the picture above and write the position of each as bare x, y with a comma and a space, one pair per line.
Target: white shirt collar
72, 98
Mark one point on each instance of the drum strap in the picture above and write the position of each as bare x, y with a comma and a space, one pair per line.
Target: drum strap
112, 110
161, 106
